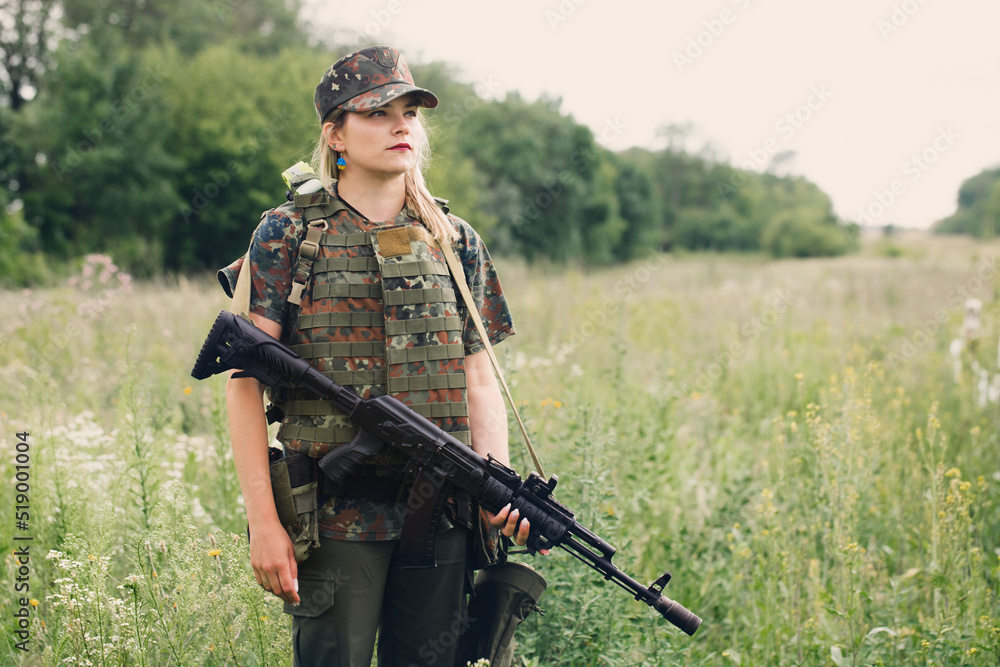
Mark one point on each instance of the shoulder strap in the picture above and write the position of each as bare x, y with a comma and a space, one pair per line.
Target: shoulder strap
463, 287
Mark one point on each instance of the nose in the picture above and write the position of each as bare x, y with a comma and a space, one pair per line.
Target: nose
401, 126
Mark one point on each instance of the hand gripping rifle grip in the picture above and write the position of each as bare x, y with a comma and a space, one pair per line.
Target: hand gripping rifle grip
677, 614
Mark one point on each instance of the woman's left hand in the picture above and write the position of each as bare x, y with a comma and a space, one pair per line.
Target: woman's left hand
508, 521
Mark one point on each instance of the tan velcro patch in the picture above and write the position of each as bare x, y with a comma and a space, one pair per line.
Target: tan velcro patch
394, 242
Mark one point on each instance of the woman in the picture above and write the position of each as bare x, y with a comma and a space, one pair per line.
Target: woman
379, 314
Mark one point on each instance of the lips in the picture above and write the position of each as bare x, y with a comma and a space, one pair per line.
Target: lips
400, 147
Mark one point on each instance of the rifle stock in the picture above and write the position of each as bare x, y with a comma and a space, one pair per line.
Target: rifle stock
235, 343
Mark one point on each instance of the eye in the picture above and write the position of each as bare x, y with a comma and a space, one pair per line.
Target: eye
376, 112
412, 113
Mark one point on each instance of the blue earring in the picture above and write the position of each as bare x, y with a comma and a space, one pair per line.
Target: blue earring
341, 163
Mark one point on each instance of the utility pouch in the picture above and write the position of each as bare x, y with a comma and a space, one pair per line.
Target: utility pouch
503, 596
295, 484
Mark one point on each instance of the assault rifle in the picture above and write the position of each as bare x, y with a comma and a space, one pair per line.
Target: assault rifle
441, 459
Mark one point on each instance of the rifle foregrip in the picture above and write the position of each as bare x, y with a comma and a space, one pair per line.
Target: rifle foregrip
677, 614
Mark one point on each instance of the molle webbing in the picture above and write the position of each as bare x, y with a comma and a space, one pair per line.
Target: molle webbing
316, 205
320, 350
347, 291
316, 434
420, 325
349, 264
440, 410
357, 378
418, 296
411, 269
344, 240
354, 319
341, 434
409, 355
398, 385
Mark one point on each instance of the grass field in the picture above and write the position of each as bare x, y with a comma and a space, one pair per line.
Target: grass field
789, 439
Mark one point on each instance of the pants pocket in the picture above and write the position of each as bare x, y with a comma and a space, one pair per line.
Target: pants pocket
315, 597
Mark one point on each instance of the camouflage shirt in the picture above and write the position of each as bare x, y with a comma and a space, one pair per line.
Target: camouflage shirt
273, 255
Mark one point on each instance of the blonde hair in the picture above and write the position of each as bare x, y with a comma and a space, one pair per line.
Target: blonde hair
417, 197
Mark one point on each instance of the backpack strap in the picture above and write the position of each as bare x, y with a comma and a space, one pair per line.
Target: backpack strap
241, 295
305, 190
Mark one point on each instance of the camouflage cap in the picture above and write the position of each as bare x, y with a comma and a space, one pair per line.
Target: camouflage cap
367, 79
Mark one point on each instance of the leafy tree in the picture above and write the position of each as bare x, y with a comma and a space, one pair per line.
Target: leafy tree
978, 211
639, 210
541, 168
261, 26
233, 145
100, 173
26, 34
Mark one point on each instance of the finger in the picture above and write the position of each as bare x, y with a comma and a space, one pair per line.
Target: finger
500, 518
289, 587
522, 533
510, 528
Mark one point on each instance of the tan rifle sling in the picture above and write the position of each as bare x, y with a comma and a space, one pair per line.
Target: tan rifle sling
463, 287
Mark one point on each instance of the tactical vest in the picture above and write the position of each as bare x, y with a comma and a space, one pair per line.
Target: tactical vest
379, 314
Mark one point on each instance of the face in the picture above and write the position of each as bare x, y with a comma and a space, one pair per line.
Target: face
382, 142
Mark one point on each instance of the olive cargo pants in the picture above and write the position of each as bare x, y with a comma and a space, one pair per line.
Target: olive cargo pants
350, 589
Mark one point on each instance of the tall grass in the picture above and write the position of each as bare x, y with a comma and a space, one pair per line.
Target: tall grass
787, 438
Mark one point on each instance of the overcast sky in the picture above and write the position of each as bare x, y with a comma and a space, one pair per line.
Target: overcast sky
888, 104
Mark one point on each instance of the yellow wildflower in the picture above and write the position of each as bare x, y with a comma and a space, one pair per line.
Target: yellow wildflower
214, 553
187, 391
953, 472
33, 602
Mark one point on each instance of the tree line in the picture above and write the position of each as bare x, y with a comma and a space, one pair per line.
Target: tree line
978, 212
157, 132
